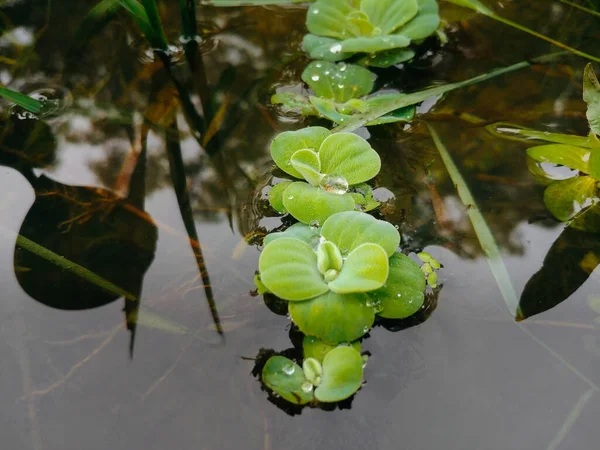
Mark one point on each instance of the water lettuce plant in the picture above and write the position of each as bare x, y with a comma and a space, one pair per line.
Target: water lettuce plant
329, 165
340, 93
381, 30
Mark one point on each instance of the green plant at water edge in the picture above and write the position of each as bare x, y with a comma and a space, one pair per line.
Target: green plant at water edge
330, 164
340, 92
336, 278
381, 30
145, 14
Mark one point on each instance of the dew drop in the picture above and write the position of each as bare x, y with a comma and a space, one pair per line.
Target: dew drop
315, 77
335, 184
288, 369
336, 48
307, 386
365, 329
290, 197
316, 11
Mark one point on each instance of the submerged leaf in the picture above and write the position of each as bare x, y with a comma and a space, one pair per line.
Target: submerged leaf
342, 375
287, 379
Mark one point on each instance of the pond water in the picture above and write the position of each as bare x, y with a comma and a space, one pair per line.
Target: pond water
79, 373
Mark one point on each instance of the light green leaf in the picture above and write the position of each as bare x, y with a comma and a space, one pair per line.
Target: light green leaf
403, 294
24, 101
342, 375
350, 156
276, 196
340, 82
302, 231
313, 347
349, 230
313, 371
424, 24
328, 18
308, 203
565, 198
287, 379
290, 101
365, 269
565, 155
328, 257
389, 15
594, 163
515, 133
373, 44
319, 47
388, 58
307, 163
591, 95
289, 142
288, 268
328, 109
334, 318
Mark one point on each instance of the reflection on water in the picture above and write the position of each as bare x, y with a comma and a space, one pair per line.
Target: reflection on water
122, 183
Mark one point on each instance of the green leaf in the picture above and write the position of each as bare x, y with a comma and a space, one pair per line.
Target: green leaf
403, 294
365, 269
288, 268
389, 15
349, 230
313, 347
566, 155
313, 371
594, 163
515, 133
565, 198
388, 58
24, 101
307, 163
302, 231
342, 375
328, 109
140, 16
425, 23
340, 82
289, 142
334, 318
319, 47
350, 156
308, 203
406, 114
290, 101
328, 257
591, 95
287, 379
373, 44
276, 196
328, 18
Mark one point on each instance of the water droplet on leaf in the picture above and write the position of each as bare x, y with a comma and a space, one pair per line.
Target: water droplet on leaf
335, 184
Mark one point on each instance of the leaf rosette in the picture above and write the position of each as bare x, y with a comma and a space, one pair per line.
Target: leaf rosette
381, 29
330, 164
341, 92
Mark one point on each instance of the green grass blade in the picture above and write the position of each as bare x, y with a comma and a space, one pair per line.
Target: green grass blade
154, 17
250, 2
94, 22
139, 15
30, 104
188, 18
482, 230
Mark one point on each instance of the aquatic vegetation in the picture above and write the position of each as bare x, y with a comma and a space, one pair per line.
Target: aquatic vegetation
340, 92
330, 165
24, 101
381, 30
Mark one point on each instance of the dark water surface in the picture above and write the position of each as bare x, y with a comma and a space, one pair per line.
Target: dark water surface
468, 377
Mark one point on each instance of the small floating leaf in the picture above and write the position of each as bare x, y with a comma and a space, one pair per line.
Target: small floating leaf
289, 142
276, 197
313, 347
565, 155
313, 371
342, 375
350, 156
339, 82
365, 269
287, 379
307, 163
565, 198
302, 231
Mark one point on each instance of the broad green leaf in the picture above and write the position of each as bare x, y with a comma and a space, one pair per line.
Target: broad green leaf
319, 47
350, 156
404, 291
328, 18
302, 231
289, 142
515, 133
389, 15
372, 44
334, 318
287, 379
342, 375
308, 203
591, 95
24, 101
276, 196
565, 198
313, 371
594, 163
388, 58
340, 82
307, 163
565, 155
365, 269
329, 257
313, 347
424, 24
288, 268
349, 230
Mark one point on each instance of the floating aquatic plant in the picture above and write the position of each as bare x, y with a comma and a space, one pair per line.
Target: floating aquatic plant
340, 93
382, 30
330, 164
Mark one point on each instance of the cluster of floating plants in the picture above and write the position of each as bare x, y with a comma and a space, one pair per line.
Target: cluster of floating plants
338, 268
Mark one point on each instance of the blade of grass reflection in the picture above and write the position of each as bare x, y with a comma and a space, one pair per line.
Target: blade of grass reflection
571, 419
179, 180
482, 230
580, 7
